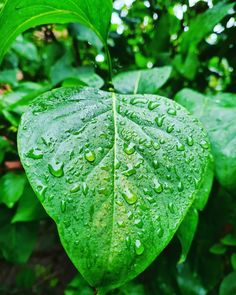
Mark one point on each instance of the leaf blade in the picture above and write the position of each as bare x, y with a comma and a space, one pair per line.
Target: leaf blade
105, 178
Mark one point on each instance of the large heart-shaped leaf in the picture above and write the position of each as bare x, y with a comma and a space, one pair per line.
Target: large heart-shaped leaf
218, 114
17, 16
117, 173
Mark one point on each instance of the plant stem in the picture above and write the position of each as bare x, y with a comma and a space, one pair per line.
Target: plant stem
109, 62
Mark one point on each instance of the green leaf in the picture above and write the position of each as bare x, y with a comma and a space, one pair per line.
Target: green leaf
228, 285
189, 225
17, 241
186, 232
233, 260
189, 282
83, 33
63, 70
29, 208
78, 286
203, 24
218, 117
218, 249
11, 188
4, 148
142, 81
117, 173
9, 77
25, 14
229, 240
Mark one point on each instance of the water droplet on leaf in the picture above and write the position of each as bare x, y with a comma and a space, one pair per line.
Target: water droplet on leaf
130, 197
139, 248
56, 168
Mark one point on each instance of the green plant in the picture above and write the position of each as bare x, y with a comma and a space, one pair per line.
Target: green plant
120, 174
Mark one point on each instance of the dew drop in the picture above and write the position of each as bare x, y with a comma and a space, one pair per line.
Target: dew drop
129, 172
171, 207
75, 188
130, 197
190, 141
63, 206
139, 248
128, 241
135, 101
85, 188
155, 164
180, 147
90, 156
157, 186
160, 232
129, 149
153, 105
204, 144
35, 154
170, 128
180, 186
138, 223
121, 223
41, 188
171, 111
56, 168
159, 121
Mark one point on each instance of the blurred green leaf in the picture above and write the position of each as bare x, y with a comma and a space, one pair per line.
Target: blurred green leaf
17, 241
186, 232
218, 116
78, 286
228, 285
63, 70
11, 188
9, 77
218, 249
229, 240
202, 25
24, 16
142, 81
29, 208
4, 148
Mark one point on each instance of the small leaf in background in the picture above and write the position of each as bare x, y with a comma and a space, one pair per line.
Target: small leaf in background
131, 288
142, 81
203, 24
218, 117
229, 240
233, 260
29, 208
4, 148
186, 232
113, 171
17, 241
9, 77
217, 249
78, 286
63, 70
189, 283
228, 285
25, 49
83, 33
52, 11
11, 188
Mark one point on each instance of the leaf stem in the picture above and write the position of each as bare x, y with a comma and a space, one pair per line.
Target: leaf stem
109, 62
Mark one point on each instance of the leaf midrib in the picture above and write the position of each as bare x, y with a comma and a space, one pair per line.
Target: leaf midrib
114, 108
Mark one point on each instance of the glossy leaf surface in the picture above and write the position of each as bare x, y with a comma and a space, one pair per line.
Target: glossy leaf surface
218, 114
17, 16
117, 173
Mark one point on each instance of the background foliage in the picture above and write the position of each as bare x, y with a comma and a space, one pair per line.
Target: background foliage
193, 44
